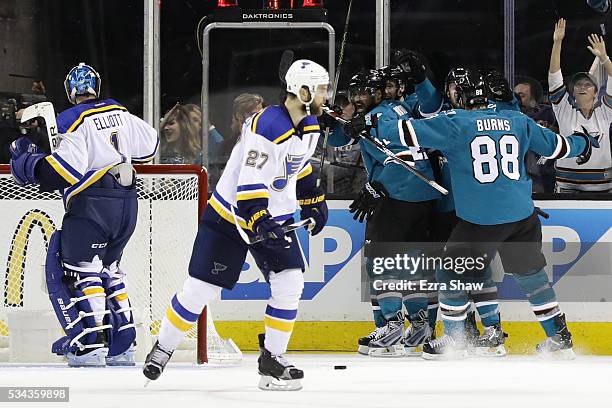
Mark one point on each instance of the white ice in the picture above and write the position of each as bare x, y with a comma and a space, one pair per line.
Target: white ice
517, 382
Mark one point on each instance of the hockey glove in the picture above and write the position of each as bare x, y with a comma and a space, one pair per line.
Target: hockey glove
24, 158
313, 205
590, 141
410, 63
327, 121
262, 223
369, 197
360, 124
497, 85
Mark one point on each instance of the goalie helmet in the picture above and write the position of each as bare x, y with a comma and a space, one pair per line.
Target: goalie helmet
471, 89
82, 80
309, 74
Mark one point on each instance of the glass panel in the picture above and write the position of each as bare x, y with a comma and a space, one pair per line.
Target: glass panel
42, 41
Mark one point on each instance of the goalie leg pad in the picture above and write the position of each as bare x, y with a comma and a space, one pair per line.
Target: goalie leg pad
123, 335
71, 306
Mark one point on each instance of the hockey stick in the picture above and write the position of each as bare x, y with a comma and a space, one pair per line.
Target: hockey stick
307, 223
44, 110
335, 88
392, 156
284, 64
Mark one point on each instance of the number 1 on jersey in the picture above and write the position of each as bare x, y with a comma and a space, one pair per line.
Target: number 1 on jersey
485, 162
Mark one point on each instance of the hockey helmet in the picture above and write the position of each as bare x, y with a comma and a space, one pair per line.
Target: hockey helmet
82, 80
309, 74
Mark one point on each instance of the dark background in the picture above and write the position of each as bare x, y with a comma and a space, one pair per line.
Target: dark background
45, 38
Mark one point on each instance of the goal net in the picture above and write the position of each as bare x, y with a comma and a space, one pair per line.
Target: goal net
170, 201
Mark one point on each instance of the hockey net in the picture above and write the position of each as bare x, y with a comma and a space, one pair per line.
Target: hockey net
170, 199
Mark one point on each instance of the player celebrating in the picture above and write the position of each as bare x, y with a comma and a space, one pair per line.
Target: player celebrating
92, 167
268, 169
492, 190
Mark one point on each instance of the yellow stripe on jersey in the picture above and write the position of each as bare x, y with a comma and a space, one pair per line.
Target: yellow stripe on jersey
312, 127
177, 321
92, 179
284, 136
282, 325
255, 119
89, 112
249, 195
57, 166
225, 214
121, 296
305, 171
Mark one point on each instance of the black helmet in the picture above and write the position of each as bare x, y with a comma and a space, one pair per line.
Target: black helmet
471, 87
369, 80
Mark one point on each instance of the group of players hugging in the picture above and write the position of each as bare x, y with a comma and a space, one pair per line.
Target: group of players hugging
473, 139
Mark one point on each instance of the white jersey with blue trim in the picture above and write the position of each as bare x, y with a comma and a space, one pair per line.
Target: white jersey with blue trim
265, 165
95, 136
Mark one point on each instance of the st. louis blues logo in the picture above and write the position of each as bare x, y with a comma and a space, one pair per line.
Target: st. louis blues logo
292, 166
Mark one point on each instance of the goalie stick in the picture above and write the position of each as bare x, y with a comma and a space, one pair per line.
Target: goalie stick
308, 223
44, 110
392, 156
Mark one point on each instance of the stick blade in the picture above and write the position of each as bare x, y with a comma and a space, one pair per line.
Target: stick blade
36, 110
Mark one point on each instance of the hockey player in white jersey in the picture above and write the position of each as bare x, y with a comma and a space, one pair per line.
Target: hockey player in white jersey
92, 168
267, 173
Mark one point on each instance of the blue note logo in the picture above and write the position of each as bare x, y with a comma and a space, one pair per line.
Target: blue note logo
291, 168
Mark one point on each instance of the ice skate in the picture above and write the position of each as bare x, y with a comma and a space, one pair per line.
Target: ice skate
155, 362
418, 333
364, 342
560, 345
390, 341
491, 343
471, 332
276, 372
92, 356
444, 348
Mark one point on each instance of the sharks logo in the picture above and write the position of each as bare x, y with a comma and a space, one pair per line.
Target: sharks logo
291, 168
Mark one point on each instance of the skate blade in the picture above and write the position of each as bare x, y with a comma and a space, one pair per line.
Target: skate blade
365, 350
498, 351
394, 351
559, 355
413, 351
454, 355
268, 383
146, 384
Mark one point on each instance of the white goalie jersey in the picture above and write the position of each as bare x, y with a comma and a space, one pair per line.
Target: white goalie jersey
96, 136
265, 165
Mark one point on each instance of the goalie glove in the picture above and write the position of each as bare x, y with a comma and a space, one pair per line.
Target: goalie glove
590, 141
314, 206
24, 158
369, 197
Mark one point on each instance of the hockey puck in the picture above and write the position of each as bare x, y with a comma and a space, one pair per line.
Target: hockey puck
339, 367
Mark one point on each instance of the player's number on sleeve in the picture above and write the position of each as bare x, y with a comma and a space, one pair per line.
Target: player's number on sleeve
484, 160
253, 157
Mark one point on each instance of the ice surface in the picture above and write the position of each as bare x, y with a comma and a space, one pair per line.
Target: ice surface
522, 382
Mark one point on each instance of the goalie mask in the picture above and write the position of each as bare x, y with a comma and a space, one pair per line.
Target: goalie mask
82, 80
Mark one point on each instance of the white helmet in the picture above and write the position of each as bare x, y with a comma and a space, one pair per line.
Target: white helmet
305, 73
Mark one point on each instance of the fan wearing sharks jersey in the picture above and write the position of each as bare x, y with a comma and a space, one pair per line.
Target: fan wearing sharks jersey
267, 174
485, 152
92, 167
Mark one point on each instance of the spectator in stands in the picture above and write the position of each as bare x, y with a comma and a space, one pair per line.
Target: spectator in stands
529, 92
244, 105
181, 143
585, 111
